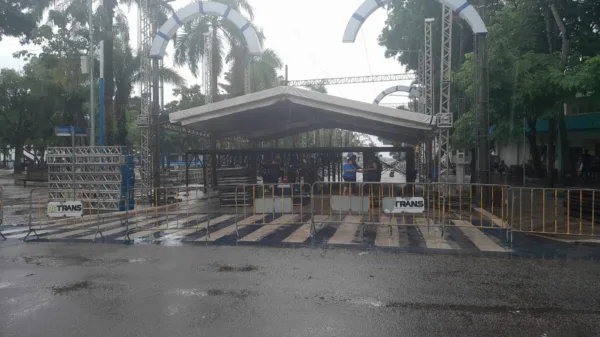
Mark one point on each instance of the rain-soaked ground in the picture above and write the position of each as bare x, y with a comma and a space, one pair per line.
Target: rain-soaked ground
49, 289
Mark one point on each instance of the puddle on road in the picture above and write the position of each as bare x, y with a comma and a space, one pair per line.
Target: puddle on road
238, 294
5, 285
72, 287
367, 301
479, 309
230, 268
191, 292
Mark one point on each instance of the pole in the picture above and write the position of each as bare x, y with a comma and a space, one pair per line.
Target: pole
101, 100
73, 159
91, 66
155, 124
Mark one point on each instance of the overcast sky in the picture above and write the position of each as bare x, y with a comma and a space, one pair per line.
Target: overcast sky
307, 34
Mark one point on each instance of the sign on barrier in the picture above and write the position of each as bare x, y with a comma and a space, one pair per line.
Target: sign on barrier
413, 205
67, 209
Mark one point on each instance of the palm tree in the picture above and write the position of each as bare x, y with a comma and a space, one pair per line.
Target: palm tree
189, 46
263, 73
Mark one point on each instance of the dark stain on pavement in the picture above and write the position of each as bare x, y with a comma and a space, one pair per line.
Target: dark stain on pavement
238, 294
230, 268
71, 287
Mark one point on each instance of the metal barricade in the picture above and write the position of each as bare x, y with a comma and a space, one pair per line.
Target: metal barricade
166, 212
558, 211
483, 206
272, 205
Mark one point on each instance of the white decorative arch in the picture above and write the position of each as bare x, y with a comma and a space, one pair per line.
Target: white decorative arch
463, 8
194, 10
412, 91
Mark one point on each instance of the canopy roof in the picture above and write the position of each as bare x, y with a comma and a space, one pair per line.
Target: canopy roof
283, 111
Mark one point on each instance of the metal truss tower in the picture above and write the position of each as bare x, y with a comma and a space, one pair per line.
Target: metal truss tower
207, 65
428, 90
444, 118
147, 19
421, 80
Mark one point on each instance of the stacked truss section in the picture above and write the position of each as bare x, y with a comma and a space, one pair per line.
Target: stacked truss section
100, 177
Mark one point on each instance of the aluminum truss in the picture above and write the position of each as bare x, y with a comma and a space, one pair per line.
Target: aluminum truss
428, 89
352, 80
444, 118
147, 19
90, 174
207, 65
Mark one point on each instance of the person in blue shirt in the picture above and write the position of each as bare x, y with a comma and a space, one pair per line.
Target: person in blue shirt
350, 169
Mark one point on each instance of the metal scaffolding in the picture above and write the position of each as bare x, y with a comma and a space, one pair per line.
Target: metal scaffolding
207, 68
352, 80
444, 118
147, 17
90, 174
428, 90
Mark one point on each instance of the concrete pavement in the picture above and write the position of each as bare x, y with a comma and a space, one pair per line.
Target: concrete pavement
55, 289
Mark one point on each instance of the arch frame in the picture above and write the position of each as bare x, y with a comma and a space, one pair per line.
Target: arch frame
463, 8
198, 9
411, 90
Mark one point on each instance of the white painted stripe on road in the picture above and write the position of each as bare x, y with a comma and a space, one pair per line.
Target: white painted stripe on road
387, 236
482, 241
434, 239
196, 228
496, 220
81, 231
346, 231
269, 228
303, 233
22, 235
230, 229
117, 230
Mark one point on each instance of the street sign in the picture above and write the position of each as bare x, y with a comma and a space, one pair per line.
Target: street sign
404, 205
65, 131
67, 209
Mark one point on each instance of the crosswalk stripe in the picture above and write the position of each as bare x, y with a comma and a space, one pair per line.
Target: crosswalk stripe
230, 229
197, 227
80, 231
482, 241
24, 234
302, 233
388, 236
144, 222
432, 235
496, 220
346, 231
267, 229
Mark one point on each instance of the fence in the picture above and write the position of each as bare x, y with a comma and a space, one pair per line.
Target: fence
554, 211
184, 211
389, 204
274, 205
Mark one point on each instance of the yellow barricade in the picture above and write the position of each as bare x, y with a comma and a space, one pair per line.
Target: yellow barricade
483, 206
370, 203
558, 211
272, 204
169, 210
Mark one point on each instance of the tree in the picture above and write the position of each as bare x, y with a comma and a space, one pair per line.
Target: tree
20, 18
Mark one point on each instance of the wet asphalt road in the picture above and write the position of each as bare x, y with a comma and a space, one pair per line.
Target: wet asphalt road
150, 290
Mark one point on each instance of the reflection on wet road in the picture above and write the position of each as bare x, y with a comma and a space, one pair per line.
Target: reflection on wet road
151, 290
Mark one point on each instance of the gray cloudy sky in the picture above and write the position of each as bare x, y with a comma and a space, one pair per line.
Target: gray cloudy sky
307, 34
